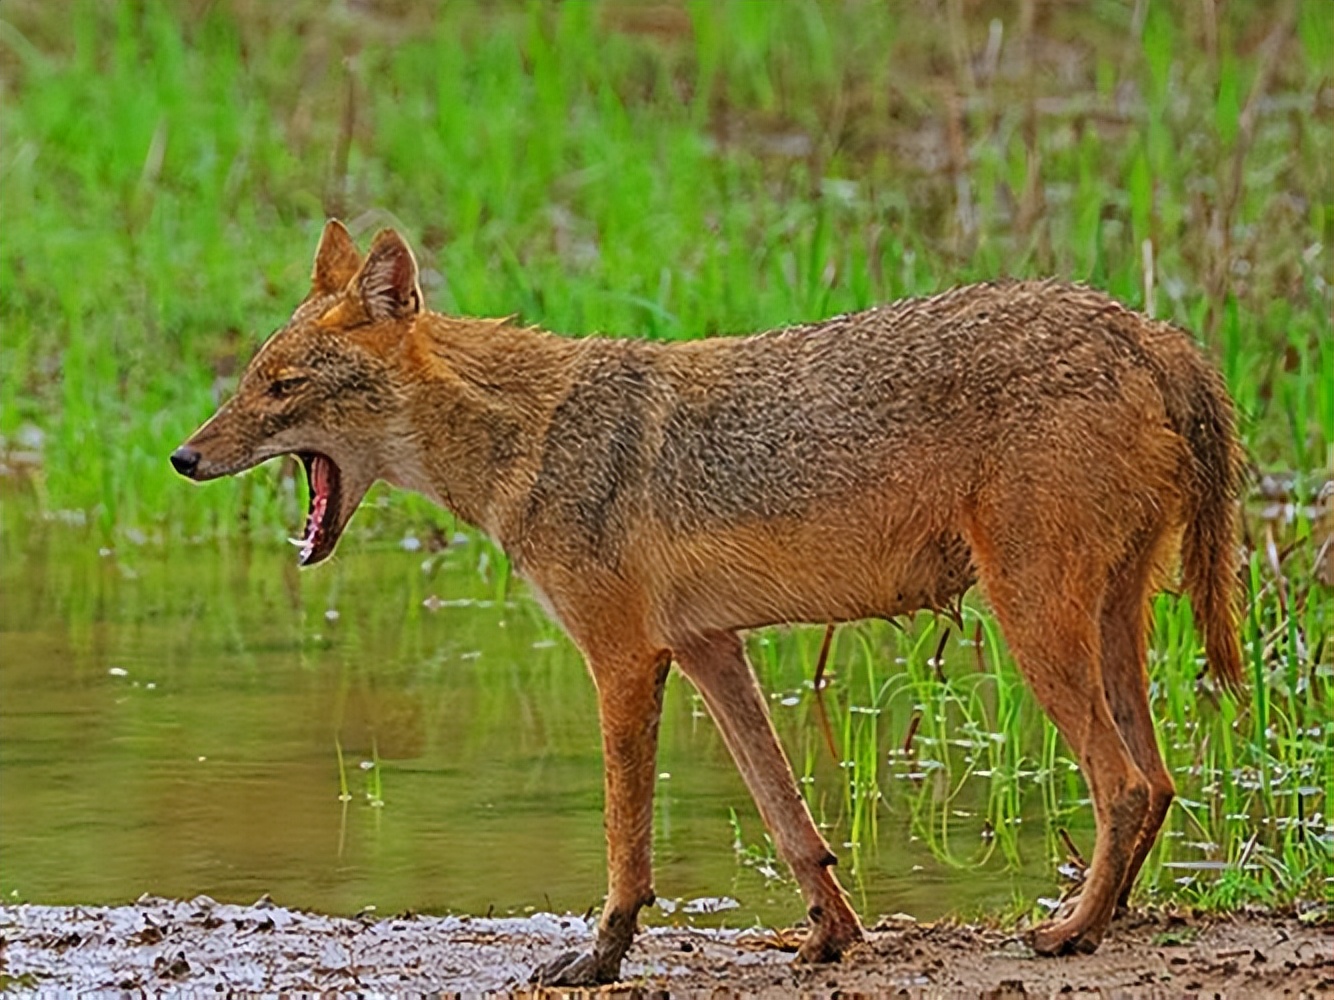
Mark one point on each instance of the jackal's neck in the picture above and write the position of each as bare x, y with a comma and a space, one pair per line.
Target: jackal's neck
477, 396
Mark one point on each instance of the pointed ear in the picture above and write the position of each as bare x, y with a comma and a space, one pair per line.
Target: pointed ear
388, 280
336, 261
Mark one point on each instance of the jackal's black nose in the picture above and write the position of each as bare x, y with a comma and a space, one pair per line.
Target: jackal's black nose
185, 459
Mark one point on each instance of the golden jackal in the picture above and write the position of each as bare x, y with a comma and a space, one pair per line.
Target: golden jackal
1036, 437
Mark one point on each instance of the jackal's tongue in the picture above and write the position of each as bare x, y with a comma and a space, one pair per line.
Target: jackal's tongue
319, 471
321, 476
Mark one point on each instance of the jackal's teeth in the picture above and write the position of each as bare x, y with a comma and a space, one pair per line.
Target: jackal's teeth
298, 542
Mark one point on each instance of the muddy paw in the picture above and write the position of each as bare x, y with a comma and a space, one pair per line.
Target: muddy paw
828, 942
1065, 909
1064, 937
575, 968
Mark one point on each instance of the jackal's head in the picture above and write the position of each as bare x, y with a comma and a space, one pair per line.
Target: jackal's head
323, 388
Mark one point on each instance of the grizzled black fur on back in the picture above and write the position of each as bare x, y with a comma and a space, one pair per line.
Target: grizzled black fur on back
765, 426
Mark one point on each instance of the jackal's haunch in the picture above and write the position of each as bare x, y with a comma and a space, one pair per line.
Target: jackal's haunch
1035, 437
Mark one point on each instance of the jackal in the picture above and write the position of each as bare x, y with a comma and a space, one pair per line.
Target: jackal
1037, 438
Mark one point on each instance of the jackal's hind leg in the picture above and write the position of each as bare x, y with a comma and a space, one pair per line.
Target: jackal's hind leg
1124, 634
717, 666
1048, 601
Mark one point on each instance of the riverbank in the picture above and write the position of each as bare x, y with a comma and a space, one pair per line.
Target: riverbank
176, 948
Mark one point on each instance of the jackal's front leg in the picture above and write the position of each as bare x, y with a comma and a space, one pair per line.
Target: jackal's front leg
630, 705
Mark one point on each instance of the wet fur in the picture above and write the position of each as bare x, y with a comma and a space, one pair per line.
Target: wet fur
1037, 437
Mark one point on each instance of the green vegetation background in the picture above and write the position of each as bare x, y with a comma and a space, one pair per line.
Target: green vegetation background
674, 170
666, 170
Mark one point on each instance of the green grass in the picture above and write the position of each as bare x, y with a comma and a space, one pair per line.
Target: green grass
689, 169
959, 745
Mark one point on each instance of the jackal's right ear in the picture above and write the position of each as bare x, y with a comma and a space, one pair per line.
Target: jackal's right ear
336, 260
388, 279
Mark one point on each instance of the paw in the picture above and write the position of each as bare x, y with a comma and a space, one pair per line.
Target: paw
1064, 937
828, 941
575, 968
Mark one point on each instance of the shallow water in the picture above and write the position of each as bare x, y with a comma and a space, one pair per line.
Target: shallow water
173, 720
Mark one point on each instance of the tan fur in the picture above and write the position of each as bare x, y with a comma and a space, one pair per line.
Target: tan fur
1037, 437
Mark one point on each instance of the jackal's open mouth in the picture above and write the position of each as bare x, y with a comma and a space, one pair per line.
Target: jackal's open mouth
326, 498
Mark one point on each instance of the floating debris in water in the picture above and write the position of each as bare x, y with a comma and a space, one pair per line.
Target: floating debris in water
710, 904
434, 603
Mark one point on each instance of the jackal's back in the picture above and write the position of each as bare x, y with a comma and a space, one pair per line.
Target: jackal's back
921, 394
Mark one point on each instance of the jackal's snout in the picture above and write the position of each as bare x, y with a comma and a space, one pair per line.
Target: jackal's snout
185, 460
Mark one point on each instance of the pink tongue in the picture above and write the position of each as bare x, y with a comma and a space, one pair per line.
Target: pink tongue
319, 483
319, 476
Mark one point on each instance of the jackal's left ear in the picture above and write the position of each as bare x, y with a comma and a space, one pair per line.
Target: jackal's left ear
336, 261
388, 279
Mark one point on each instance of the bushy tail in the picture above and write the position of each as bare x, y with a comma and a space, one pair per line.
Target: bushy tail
1205, 418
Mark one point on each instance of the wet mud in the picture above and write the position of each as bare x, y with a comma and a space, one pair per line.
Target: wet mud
163, 947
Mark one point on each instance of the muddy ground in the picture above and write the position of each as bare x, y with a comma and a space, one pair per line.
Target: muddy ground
173, 948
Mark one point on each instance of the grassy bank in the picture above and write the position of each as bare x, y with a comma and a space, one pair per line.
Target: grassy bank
668, 172
678, 170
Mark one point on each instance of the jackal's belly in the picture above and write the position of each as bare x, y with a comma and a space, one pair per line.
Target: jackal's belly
767, 575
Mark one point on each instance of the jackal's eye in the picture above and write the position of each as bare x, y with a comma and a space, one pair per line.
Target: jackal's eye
283, 387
